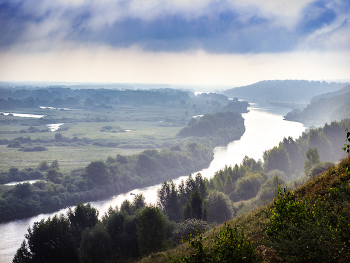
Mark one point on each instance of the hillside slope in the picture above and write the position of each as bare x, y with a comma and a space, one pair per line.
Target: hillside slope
309, 224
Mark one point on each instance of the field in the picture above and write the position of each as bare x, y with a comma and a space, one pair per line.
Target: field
91, 134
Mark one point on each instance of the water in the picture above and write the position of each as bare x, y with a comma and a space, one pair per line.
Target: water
265, 128
54, 127
53, 108
24, 115
22, 182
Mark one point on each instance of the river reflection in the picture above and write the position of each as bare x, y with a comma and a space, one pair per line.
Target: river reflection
265, 128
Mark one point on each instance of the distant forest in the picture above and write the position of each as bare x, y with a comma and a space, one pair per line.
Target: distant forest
283, 90
324, 108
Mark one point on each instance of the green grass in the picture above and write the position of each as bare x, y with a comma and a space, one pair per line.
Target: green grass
146, 125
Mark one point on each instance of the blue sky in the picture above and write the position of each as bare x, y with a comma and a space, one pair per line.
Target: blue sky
198, 42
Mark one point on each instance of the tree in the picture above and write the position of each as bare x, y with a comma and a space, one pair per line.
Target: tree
151, 230
58, 137
49, 240
43, 166
139, 201
168, 200
89, 103
317, 139
313, 158
248, 186
196, 208
54, 164
126, 207
269, 188
277, 158
346, 147
98, 172
23, 190
82, 217
220, 207
53, 175
96, 245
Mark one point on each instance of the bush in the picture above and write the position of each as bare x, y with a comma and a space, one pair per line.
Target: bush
37, 148
229, 245
189, 227
220, 207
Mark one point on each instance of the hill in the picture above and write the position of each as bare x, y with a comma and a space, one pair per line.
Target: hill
309, 224
285, 91
324, 108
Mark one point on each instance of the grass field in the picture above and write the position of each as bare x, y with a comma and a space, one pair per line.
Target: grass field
132, 128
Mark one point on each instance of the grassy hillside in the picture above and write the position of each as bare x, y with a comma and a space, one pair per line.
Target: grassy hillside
308, 224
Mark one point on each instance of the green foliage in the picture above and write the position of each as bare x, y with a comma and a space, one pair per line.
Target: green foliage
229, 125
82, 217
305, 230
98, 172
196, 208
269, 188
43, 166
317, 139
96, 245
313, 158
277, 158
220, 207
228, 245
346, 147
54, 164
248, 186
23, 190
151, 230
138, 202
320, 168
189, 228
48, 241
58, 137
168, 200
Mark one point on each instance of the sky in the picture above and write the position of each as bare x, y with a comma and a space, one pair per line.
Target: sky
179, 42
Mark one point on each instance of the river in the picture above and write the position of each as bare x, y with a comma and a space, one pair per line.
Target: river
265, 128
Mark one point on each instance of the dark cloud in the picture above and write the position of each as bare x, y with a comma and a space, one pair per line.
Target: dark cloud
222, 29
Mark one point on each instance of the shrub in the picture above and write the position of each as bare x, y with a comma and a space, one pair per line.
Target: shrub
220, 207
229, 245
189, 227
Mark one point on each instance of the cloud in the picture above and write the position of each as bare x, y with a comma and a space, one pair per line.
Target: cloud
216, 26
133, 65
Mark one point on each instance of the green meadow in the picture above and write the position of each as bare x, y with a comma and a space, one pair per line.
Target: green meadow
91, 134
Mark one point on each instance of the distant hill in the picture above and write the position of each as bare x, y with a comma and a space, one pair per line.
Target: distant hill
327, 95
283, 90
324, 108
